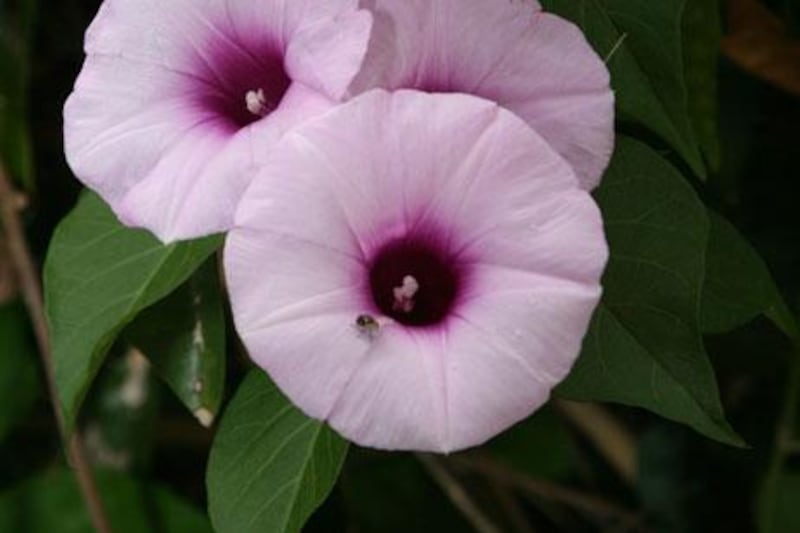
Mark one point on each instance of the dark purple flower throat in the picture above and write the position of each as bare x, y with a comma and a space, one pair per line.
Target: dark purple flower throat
415, 281
244, 85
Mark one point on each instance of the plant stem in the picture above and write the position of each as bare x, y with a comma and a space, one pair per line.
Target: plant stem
540, 489
28, 279
609, 436
784, 435
456, 493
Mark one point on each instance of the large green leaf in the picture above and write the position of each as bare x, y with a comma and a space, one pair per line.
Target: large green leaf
51, 503
184, 338
738, 285
644, 347
98, 275
270, 465
19, 382
642, 42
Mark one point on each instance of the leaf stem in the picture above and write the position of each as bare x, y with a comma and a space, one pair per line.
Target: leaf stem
28, 278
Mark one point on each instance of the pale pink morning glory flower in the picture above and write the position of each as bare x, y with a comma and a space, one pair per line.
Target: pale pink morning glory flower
172, 91
418, 270
536, 64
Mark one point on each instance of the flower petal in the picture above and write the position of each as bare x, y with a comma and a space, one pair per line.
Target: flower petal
199, 198
558, 235
375, 185
394, 400
535, 64
295, 307
328, 56
507, 350
121, 120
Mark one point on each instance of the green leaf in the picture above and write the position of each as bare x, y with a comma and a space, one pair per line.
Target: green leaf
702, 35
184, 338
644, 347
270, 466
19, 380
738, 285
642, 43
98, 275
51, 502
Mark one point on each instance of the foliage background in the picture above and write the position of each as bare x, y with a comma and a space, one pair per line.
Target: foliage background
710, 127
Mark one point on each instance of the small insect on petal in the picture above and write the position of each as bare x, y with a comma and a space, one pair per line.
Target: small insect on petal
368, 326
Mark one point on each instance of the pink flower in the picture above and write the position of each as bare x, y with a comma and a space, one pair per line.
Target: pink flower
172, 92
418, 270
535, 64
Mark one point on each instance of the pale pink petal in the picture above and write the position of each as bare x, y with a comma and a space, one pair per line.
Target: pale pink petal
394, 399
156, 202
508, 349
535, 64
290, 298
328, 56
120, 121
559, 235
378, 180
200, 200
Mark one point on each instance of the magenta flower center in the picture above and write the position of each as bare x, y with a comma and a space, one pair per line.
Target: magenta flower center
246, 86
414, 282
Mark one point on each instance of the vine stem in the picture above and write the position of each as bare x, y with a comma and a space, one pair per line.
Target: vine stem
783, 446
609, 436
457, 494
30, 287
541, 489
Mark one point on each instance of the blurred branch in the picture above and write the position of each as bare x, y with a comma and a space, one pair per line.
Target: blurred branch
508, 499
456, 493
609, 436
539, 489
759, 42
8, 281
784, 436
28, 279
793, 447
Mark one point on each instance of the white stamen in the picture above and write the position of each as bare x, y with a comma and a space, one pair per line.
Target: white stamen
404, 295
257, 102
